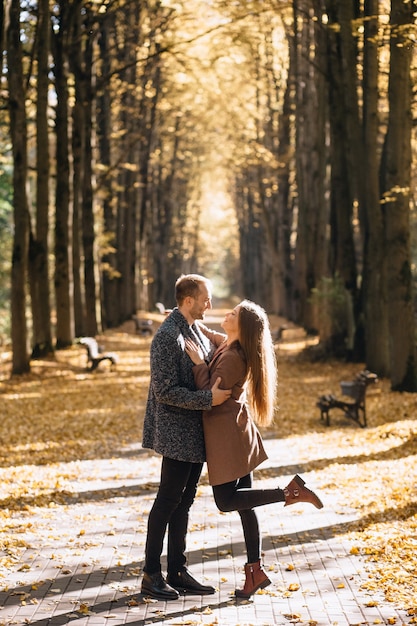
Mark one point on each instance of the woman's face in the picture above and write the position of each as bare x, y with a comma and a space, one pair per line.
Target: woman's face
231, 321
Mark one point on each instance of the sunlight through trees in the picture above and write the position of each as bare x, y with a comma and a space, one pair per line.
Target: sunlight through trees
269, 145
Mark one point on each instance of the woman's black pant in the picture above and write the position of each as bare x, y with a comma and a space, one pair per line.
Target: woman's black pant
176, 493
238, 495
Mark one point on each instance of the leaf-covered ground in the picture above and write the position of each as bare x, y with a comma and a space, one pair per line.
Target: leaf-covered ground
61, 413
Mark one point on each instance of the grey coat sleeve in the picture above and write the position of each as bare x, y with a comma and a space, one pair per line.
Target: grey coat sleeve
172, 378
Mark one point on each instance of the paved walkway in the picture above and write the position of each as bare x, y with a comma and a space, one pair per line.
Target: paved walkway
81, 557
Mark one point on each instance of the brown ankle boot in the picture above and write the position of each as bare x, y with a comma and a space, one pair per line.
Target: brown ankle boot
255, 578
296, 492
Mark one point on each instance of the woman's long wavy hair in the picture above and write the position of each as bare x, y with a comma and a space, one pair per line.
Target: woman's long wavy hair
256, 341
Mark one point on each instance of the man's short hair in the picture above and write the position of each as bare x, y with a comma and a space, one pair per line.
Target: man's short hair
188, 285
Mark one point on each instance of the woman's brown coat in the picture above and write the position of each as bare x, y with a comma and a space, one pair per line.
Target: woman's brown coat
233, 444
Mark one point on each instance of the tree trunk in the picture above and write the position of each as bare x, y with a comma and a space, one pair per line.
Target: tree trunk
374, 272
284, 200
342, 250
147, 210
3, 44
20, 359
106, 186
62, 281
273, 197
254, 256
129, 184
92, 300
397, 179
345, 180
40, 290
77, 165
310, 262
79, 156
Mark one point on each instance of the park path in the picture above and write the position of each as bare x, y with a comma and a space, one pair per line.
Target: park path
82, 561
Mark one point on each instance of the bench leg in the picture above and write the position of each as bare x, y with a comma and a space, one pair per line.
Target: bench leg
350, 411
362, 417
96, 362
324, 415
357, 414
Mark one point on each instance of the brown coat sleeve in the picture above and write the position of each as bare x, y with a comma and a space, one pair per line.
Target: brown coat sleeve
229, 366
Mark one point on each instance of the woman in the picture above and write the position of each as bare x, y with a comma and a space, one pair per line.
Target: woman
245, 361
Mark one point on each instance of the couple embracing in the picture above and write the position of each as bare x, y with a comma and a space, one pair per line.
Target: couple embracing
208, 393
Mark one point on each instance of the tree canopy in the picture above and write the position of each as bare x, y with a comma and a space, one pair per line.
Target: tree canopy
269, 145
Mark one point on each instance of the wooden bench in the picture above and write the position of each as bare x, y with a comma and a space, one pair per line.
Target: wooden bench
142, 326
354, 409
95, 355
161, 307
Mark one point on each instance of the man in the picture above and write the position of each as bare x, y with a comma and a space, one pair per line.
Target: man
173, 428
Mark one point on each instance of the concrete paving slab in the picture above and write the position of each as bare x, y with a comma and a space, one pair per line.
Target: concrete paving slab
81, 560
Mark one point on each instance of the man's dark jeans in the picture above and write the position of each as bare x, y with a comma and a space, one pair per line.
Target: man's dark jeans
176, 493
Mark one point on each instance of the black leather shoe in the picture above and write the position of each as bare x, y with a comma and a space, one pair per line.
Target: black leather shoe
183, 581
155, 586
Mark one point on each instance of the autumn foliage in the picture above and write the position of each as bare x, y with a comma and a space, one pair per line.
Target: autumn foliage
61, 413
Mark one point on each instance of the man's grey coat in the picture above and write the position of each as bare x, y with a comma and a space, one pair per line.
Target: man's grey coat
173, 419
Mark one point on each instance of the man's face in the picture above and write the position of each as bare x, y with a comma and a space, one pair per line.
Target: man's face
200, 303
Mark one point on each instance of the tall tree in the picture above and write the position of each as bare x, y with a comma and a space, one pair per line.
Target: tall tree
374, 288
2, 33
39, 246
273, 172
18, 130
132, 114
342, 250
78, 154
396, 177
63, 213
344, 197
83, 235
310, 104
84, 78
106, 175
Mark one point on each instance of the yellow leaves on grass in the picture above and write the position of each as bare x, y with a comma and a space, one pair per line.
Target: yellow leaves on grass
393, 555
61, 412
